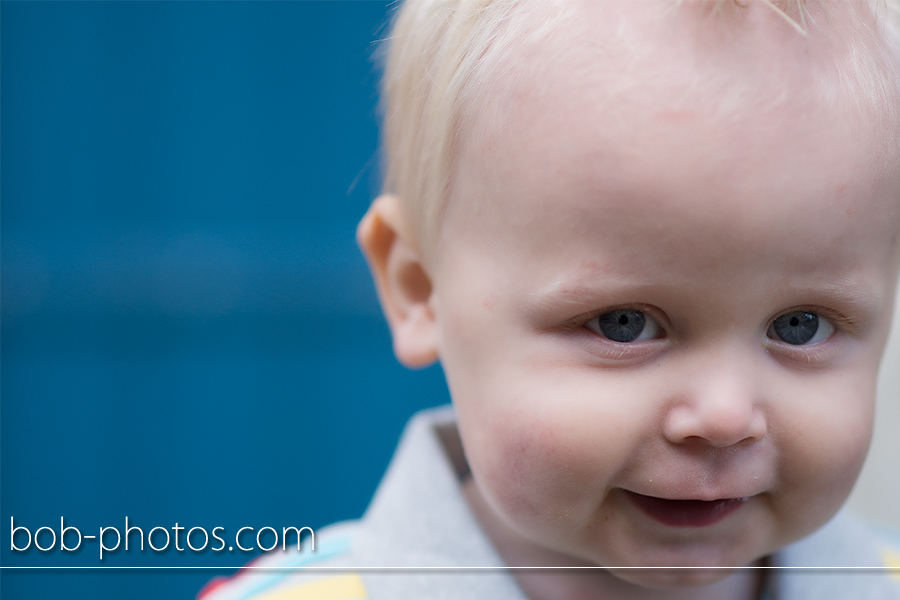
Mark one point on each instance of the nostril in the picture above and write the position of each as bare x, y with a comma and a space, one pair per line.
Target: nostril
720, 426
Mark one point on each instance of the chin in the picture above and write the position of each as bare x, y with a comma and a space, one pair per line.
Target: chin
668, 577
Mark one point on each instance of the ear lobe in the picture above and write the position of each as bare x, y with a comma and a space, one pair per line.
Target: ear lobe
403, 284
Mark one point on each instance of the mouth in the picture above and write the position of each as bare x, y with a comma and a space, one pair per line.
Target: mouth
686, 513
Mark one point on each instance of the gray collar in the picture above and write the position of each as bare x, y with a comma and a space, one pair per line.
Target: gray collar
420, 518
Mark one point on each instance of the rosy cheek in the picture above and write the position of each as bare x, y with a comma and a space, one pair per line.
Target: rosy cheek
823, 453
529, 477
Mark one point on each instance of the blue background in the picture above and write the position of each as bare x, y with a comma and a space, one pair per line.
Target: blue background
189, 333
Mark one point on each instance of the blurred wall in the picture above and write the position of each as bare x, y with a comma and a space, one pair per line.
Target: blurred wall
189, 333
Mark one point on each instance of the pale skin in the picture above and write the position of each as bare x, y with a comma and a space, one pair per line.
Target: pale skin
569, 203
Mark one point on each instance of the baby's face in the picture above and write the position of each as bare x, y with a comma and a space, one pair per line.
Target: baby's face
661, 330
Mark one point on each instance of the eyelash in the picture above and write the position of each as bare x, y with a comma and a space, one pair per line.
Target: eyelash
807, 353
581, 320
816, 353
800, 320
621, 318
612, 350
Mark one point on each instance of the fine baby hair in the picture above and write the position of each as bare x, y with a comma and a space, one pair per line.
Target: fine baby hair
443, 58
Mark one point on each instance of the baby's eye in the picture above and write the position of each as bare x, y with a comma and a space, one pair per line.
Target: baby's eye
800, 328
625, 325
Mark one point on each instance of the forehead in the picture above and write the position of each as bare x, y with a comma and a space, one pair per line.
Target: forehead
732, 122
714, 55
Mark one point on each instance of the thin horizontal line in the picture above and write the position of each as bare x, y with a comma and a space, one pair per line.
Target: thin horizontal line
891, 570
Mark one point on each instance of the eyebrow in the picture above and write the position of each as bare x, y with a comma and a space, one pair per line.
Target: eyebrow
590, 281
861, 297
588, 289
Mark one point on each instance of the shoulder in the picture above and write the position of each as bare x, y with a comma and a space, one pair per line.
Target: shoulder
417, 526
320, 570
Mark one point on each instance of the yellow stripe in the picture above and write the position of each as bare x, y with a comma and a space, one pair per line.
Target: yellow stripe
891, 560
340, 587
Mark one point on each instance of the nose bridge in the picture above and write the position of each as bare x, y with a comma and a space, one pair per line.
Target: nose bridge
719, 401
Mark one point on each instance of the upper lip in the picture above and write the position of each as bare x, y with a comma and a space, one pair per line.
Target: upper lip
705, 496
719, 499
685, 513
695, 473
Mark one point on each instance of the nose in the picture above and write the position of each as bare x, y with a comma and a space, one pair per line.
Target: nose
721, 408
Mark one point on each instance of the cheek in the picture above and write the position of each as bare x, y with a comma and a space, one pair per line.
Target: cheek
836, 447
524, 472
521, 470
536, 467
823, 450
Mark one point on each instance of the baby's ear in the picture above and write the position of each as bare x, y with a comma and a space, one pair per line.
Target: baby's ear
403, 283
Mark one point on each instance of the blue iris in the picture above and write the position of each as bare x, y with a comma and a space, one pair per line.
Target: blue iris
622, 325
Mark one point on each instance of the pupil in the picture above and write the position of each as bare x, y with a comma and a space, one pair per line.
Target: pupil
622, 325
796, 328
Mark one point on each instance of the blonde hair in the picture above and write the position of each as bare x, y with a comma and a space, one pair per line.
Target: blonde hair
432, 75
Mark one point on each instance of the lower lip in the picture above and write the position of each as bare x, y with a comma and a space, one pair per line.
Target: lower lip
686, 513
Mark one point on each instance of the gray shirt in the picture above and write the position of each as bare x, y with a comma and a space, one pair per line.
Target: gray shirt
419, 519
